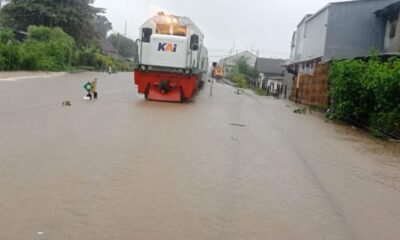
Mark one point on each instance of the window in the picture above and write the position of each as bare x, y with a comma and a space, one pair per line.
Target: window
164, 29
194, 42
393, 28
179, 31
146, 34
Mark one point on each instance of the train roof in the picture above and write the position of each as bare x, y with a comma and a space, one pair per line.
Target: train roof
183, 21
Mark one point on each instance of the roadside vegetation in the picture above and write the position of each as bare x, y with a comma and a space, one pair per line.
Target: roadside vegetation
261, 92
59, 37
243, 74
125, 46
366, 94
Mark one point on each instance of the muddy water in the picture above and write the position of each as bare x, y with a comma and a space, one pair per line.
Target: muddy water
222, 167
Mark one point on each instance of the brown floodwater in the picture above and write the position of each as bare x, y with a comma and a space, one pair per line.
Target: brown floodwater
223, 167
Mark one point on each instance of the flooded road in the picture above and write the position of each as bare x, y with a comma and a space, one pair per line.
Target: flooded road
222, 167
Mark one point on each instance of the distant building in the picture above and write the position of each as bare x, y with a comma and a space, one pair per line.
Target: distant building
275, 85
230, 62
390, 17
108, 49
271, 72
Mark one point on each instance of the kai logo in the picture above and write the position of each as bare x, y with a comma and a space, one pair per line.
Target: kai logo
167, 47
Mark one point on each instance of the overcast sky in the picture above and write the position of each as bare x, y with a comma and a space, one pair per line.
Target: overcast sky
263, 25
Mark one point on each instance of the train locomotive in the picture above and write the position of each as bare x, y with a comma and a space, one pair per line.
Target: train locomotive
217, 71
173, 60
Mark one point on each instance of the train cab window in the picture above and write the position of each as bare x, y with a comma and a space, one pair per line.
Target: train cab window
194, 42
179, 31
146, 34
163, 29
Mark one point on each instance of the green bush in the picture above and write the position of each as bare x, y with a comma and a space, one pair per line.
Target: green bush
350, 100
261, 92
239, 79
103, 62
10, 54
49, 49
86, 56
243, 73
367, 93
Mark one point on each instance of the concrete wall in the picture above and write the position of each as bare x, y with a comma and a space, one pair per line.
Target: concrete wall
288, 81
310, 37
315, 35
353, 29
299, 43
274, 85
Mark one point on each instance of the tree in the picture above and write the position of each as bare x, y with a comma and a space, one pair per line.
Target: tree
125, 46
101, 25
10, 54
73, 16
48, 49
243, 74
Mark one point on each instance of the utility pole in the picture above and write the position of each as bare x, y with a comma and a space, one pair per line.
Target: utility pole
234, 46
126, 25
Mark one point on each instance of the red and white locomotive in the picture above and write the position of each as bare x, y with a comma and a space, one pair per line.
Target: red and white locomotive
173, 60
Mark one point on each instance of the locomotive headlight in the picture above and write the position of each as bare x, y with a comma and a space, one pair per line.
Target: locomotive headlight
169, 20
175, 20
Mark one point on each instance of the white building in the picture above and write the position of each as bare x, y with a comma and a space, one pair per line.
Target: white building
268, 67
230, 62
339, 30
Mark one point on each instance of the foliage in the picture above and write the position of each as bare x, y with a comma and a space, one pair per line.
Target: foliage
239, 79
73, 16
47, 49
10, 54
244, 68
51, 49
261, 92
125, 46
86, 55
101, 25
102, 61
367, 93
124, 65
243, 74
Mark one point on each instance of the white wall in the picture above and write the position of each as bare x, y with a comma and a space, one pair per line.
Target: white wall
231, 61
315, 36
310, 37
299, 42
274, 84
